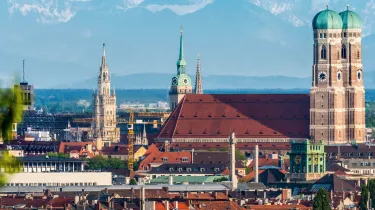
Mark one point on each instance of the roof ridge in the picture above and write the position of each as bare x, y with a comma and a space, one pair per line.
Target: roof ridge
180, 105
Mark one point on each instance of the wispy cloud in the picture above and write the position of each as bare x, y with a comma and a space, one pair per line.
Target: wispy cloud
49, 11
182, 9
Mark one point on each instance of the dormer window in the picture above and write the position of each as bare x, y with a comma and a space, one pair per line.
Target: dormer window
203, 169
179, 169
165, 159
171, 169
188, 169
185, 159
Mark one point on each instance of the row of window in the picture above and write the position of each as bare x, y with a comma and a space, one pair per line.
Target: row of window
337, 35
51, 184
323, 53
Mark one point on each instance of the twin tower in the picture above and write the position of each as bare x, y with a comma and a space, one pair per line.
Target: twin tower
337, 105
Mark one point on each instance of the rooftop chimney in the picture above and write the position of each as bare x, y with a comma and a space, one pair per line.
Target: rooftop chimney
256, 173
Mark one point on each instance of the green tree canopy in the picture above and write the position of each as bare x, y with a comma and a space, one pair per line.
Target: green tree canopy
364, 198
132, 182
10, 112
58, 154
371, 187
321, 200
102, 163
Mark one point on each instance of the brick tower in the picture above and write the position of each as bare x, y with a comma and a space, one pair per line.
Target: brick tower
337, 110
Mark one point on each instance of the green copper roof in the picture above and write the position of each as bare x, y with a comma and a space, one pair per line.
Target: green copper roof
181, 60
181, 80
327, 19
350, 20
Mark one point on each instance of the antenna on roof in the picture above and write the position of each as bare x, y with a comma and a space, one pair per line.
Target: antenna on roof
23, 71
347, 6
327, 6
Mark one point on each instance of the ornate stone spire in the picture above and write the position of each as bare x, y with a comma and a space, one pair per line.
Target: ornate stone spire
198, 78
181, 63
104, 59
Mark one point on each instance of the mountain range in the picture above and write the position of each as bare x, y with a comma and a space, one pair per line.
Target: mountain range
241, 42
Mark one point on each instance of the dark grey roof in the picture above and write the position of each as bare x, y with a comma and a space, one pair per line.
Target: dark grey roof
49, 159
196, 168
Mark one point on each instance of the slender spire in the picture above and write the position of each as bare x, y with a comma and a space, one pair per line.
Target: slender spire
181, 63
104, 63
144, 131
23, 71
198, 78
327, 6
347, 7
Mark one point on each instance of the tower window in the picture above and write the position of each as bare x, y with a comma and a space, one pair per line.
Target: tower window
343, 52
358, 55
344, 34
325, 35
315, 35
320, 35
323, 53
334, 35
330, 35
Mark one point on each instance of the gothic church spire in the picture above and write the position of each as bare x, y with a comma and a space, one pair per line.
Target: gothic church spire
198, 78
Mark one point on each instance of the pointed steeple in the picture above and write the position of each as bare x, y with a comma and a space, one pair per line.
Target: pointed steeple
104, 58
144, 134
181, 63
198, 78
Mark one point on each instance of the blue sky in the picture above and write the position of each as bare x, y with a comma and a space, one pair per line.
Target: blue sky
61, 39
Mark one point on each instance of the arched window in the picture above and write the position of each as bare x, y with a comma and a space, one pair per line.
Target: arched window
323, 53
343, 52
358, 55
338, 54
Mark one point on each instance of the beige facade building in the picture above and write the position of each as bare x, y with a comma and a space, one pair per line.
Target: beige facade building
337, 110
104, 124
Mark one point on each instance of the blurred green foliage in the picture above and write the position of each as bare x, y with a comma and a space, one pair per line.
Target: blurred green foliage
10, 112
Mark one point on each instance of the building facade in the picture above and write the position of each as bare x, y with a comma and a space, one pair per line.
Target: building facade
181, 83
104, 124
307, 160
337, 110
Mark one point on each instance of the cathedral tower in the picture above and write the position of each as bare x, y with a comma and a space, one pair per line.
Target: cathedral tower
104, 126
337, 110
181, 83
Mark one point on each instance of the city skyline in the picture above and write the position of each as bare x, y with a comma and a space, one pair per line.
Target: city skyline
67, 49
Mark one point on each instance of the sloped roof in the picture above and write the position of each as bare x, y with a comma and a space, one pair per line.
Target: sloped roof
332, 182
248, 115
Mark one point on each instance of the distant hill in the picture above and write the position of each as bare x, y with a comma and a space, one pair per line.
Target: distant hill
163, 80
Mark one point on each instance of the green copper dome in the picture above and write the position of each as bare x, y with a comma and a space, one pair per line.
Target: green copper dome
350, 20
327, 19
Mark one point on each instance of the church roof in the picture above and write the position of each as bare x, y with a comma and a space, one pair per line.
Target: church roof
248, 115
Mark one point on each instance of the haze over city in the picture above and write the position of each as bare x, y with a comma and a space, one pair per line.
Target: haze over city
61, 40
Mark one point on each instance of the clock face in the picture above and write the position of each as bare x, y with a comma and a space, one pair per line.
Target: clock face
185, 81
359, 75
297, 159
315, 160
174, 81
339, 76
322, 76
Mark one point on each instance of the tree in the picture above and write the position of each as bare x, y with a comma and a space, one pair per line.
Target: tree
58, 154
102, 163
321, 201
371, 187
364, 198
10, 112
136, 165
132, 182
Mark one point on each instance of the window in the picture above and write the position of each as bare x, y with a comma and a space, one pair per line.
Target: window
325, 35
320, 35
343, 52
338, 55
165, 159
344, 34
323, 53
358, 55
185, 159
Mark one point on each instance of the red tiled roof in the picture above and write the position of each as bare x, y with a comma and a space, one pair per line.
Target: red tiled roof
265, 162
241, 146
115, 150
67, 147
248, 115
